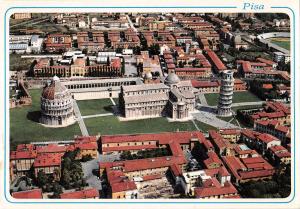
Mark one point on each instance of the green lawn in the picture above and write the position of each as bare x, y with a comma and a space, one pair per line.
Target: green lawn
253, 55
95, 106
17, 63
24, 126
111, 125
282, 43
46, 27
204, 127
244, 96
234, 121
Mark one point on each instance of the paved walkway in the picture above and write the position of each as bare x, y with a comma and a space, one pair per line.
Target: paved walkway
79, 118
203, 100
211, 119
97, 115
196, 126
112, 101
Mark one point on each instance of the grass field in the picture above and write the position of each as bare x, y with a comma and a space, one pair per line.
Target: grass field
282, 42
204, 127
111, 125
245, 96
95, 106
17, 64
24, 126
234, 121
255, 54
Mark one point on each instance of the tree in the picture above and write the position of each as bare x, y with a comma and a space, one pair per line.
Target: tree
66, 179
42, 179
67, 162
154, 49
57, 190
86, 158
108, 61
51, 62
87, 61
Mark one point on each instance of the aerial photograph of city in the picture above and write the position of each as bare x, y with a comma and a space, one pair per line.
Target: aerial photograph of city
150, 105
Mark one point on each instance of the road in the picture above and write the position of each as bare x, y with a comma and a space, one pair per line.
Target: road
79, 118
130, 23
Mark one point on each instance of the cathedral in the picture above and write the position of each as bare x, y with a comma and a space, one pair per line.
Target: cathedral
173, 98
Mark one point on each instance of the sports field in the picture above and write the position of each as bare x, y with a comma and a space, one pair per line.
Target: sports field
282, 42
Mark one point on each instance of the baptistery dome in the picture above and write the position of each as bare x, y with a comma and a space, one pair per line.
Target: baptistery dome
56, 105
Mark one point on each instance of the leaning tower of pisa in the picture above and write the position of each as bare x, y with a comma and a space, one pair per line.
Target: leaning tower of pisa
226, 93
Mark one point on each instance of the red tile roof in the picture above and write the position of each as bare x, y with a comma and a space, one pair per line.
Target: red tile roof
14, 155
83, 194
163, 138
266, 61
204, 84
217, 139
212, 159
48, 159
211, 191
52, 148
216, 60
30, 194
267, 138
247, 168
125, 148
152, 177
123, 186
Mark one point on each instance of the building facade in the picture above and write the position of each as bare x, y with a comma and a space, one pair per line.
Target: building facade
174, 99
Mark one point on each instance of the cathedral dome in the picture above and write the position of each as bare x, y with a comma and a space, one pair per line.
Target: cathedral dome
55, 90
172, 78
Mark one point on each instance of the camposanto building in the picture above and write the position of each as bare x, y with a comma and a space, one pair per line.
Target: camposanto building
56, 105
173, 98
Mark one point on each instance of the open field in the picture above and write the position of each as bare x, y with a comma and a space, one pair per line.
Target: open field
24, 126
46, 27
204, 127
282, 42
18, 64
95, 106
244, 96
111, 125
232, 121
